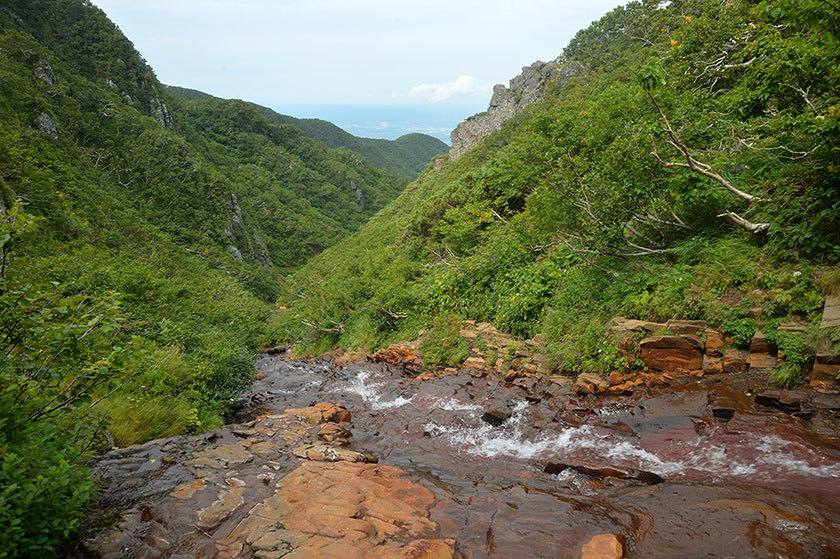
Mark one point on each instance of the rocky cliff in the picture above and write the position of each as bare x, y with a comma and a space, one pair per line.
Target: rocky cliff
525, 89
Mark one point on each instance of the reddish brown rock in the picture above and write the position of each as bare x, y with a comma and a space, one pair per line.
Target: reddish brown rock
626, 332
335, 433
344, 511
714, 343
603, 546
712, 365
760, 343
762, 352
590, 383
355, 356
616, 378
682, 353
824, 375
400, 355
321, 413
627, 386
736, 360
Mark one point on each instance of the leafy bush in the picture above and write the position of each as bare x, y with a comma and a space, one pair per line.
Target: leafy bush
43, 492
742, 331
792, 346
443, 345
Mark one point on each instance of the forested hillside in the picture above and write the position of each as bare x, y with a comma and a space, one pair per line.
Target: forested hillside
408, 155
689, 171
141, 243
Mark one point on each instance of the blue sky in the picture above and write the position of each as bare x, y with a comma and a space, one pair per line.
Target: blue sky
287, 53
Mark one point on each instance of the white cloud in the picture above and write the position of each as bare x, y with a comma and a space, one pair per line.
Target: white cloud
462, 86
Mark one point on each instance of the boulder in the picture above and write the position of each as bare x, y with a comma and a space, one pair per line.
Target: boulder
788, 401
619, 325
824, 375
693, 327
400, 355
590, 383
831, 312
712, 365
560, 385
762, 352
496, 417
356, 356
735, 360
714, 343
682, 353
321, 413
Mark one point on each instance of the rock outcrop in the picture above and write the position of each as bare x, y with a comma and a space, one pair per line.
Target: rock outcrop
160, 112
46, 124
265, 489
525, 89
44, 72
239, 235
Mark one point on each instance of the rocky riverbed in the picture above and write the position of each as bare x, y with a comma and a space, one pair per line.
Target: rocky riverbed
370, 460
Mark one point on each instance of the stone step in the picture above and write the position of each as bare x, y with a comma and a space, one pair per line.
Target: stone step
831, 312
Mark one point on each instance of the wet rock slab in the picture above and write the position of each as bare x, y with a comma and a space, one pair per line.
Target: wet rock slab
758, 485
266, 489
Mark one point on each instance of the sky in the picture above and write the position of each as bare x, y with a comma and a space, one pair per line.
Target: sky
310, 56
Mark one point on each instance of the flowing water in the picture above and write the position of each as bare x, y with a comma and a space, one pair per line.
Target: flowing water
679, 482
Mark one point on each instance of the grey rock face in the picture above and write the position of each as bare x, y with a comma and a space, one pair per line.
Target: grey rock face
525, 89
237, 232
160, 111
360, 199
46, 124
44, 72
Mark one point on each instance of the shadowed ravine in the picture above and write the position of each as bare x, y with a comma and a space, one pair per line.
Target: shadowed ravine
664, 470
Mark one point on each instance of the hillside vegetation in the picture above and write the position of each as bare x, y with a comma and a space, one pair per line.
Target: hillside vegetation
691, 171
408, 155
141, 244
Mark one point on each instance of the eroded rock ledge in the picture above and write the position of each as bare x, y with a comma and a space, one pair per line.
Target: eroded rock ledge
242, 491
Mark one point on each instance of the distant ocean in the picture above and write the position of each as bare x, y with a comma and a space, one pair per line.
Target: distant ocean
388, 121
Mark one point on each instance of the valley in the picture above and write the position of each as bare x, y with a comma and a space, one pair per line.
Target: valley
604, 324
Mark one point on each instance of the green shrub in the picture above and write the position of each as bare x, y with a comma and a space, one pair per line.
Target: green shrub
443, 345
742, 331
43, 493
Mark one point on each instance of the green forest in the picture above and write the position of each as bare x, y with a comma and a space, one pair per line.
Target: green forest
153, 240
408, 155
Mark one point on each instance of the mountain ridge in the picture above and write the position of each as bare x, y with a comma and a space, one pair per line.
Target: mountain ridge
408, 155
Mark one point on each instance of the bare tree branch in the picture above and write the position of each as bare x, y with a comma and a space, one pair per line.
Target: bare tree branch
746, 224
691, 163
